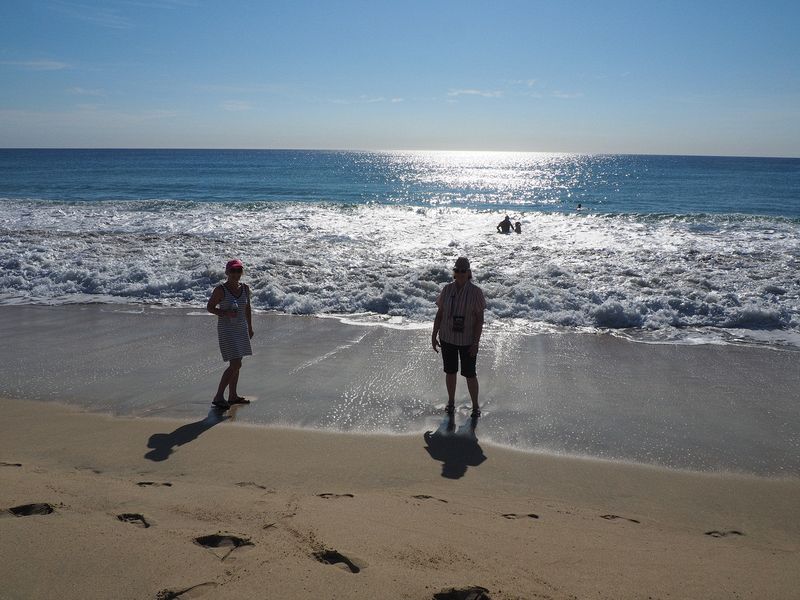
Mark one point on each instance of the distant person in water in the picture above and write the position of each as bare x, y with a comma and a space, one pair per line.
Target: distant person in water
504, 226
518, 227
579, 207
457, 331
231, 303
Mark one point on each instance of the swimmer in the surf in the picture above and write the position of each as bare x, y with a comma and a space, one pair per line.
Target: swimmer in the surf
504, 226
518, 227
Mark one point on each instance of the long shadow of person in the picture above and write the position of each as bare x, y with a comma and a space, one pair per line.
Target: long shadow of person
457, 450
162, 444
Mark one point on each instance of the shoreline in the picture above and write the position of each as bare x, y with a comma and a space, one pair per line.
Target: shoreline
697, 408
376, 436
519, 525
779, 340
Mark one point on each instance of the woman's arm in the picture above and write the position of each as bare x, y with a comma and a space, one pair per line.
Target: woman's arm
216, 297
247, 313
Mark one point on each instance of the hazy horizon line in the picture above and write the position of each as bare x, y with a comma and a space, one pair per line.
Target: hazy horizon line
388, 150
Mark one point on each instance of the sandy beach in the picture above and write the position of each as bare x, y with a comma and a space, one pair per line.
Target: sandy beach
124, 485
519, 525
247, 248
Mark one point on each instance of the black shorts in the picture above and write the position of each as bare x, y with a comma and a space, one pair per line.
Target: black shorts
450, 355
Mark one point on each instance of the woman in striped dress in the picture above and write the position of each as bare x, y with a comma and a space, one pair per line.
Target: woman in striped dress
231, 303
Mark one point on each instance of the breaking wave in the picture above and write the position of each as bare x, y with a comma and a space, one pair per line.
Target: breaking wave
652, 277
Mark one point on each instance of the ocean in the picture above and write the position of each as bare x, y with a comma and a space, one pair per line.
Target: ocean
664, 249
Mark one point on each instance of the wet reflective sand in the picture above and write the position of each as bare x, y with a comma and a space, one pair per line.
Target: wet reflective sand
697, 407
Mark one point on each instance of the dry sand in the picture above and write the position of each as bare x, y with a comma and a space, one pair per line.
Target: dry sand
519, 525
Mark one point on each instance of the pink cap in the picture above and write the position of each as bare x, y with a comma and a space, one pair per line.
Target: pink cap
234, 264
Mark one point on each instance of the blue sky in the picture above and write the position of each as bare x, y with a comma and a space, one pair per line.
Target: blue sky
643, 77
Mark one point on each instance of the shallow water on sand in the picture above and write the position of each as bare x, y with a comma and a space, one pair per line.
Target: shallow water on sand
710, 408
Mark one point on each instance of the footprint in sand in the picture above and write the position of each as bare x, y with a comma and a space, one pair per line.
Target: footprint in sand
615, 517
426, 497
8, 464
223, 541
470, 593
92, 469
329, 495
251, 484
134, 518
154, 484
191, 592
719, 534
332, 557
27, 510
518, 516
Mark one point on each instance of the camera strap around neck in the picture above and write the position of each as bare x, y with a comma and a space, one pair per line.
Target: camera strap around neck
453, 299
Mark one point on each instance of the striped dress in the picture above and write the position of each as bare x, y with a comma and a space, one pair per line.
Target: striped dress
233, 333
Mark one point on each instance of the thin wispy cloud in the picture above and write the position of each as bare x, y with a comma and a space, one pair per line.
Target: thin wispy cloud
237, 105
566, 95
233, 89
225, 88
112, 14
156, 113
122, 115
474, 92
365, 99
525, 82
160, 4
87, 113
592, 77
37, 65
106, 16
88, 107
81, 91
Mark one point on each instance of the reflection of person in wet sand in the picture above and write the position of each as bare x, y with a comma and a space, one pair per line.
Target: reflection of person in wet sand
457, 330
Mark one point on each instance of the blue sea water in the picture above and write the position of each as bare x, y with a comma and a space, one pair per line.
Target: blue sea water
664, 248
637, 184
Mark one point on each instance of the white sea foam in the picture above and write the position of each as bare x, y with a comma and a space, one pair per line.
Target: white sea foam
653, 277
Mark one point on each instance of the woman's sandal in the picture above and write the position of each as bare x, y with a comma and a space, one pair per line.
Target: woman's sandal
450, 409
476, 413
221, 404
239, 400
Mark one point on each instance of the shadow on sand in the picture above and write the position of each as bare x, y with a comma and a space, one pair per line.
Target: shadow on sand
456, 449
163, 444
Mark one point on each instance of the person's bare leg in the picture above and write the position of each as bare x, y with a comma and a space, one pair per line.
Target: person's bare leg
472, 386
234, 379
450, 381
223, 383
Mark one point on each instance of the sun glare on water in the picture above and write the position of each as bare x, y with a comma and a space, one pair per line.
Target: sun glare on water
491, 178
